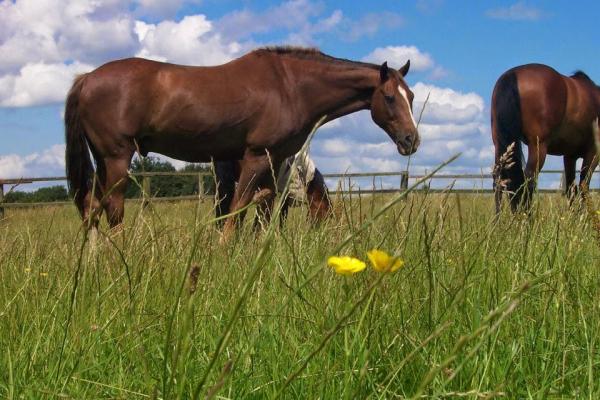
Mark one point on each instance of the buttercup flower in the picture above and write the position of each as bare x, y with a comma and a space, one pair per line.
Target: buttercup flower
346, 265
383, 262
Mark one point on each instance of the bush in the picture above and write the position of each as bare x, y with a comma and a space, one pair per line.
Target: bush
168, 186
42, 195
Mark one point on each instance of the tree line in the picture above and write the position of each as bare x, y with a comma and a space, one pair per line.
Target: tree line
161, 186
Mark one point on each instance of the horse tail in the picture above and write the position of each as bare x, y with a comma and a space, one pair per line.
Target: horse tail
78, 163
507, 114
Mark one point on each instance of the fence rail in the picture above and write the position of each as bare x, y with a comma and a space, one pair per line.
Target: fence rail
342, 177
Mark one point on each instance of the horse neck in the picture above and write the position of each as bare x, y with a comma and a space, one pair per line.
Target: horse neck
335, 90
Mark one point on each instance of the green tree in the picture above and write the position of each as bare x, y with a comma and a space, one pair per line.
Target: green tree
41, 195
168, 186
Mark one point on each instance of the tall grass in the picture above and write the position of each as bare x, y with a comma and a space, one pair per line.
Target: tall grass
483, 308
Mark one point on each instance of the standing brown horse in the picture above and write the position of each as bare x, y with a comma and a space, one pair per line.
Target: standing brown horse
552, 114
259, 108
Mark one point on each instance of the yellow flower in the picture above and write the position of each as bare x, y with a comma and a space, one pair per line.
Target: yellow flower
346, 265
383, 262
43, 274
28, 270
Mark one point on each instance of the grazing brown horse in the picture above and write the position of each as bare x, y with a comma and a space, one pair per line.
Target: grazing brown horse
551, 113
259, 108
311, 189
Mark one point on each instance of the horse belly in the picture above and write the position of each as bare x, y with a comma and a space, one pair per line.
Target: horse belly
567, 140
193, 147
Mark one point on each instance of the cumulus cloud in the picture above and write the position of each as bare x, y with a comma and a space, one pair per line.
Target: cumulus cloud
38, 83
38, 67
190, 41
516, 12
396, 56
49, 162
36, 31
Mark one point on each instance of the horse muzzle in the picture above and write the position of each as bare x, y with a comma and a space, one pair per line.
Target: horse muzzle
408, 144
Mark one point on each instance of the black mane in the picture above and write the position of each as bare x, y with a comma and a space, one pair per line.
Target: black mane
313, 53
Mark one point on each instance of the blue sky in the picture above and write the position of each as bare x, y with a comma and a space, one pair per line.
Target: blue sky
458, 49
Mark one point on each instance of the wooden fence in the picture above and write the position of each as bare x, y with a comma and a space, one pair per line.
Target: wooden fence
343, 178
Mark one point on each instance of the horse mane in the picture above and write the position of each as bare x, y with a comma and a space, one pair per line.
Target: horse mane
313, 53
583, 77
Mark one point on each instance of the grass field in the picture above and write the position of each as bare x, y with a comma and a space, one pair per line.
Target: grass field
481, 309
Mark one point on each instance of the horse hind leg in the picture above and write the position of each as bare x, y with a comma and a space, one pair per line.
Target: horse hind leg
536, 156
114, 183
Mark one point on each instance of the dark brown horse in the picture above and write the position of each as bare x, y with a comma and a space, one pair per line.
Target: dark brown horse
551, 113
315, 193
259, 108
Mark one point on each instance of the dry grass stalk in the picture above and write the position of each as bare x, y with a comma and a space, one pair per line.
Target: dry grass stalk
592, 212
504, 162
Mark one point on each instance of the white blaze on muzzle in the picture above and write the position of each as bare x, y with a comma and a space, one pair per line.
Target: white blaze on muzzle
405, 97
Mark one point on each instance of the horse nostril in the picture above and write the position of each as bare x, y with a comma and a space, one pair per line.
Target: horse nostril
408, 140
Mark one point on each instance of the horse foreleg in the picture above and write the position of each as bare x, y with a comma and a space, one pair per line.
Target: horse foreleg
225, 178
114, 185
254, 170
536, 156
570, 188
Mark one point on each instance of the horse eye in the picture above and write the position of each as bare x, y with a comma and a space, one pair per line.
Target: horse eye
389, 99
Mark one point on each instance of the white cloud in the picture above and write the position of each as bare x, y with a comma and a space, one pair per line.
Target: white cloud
34, 31
516, 12
447, 105
38, 83
37, 69
190, 41
396, 56
49, 162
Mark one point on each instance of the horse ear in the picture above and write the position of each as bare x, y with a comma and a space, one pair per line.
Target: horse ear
384, 72
404, 70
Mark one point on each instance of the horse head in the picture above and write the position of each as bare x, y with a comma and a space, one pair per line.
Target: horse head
391, 108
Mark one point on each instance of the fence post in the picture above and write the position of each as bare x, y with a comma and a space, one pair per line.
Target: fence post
1, 200
404, 181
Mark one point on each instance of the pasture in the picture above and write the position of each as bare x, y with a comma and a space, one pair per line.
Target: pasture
481, 309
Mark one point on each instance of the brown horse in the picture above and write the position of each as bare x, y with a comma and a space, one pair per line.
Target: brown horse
551, 113
259, 108
314, 189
